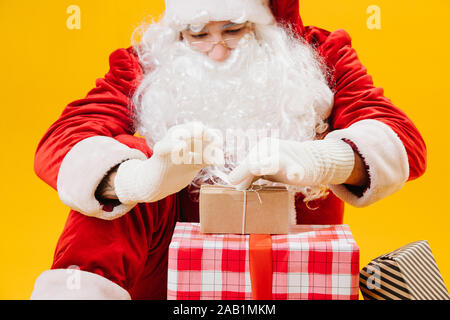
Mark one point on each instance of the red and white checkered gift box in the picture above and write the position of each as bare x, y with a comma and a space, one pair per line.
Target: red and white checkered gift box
310, 263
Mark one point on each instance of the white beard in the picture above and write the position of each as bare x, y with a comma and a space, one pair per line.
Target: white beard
270, 82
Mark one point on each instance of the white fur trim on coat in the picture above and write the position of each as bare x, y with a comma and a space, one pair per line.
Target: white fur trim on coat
84, 167
75, 284
383, 153
199, 12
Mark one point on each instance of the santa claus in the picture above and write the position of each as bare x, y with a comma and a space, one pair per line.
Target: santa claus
210, 72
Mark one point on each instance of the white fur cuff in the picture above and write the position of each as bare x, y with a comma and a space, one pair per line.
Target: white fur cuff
184, 12
74, 284
84, 167
383, 153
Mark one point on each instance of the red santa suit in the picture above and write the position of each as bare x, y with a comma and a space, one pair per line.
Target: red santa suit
125, 255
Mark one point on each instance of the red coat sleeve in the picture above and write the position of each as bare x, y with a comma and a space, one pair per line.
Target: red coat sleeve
357, 98
370, 120
83, 144
105, 111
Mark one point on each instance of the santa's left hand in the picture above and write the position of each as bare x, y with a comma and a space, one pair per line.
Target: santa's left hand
310, 163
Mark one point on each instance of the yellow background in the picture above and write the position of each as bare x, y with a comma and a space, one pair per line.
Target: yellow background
44, 65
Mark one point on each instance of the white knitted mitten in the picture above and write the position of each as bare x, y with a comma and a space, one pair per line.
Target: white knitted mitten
175, 162
310, 163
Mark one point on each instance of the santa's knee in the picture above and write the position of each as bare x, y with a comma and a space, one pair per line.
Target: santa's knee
75, 284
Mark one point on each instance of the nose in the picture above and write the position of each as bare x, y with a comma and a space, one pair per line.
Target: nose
219, 52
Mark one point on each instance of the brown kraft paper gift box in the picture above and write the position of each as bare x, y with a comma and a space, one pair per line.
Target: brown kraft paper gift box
268, 210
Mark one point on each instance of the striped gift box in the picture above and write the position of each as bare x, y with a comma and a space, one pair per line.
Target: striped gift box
312, 262
408, 273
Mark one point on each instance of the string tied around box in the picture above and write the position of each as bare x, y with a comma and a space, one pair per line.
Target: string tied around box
244, 207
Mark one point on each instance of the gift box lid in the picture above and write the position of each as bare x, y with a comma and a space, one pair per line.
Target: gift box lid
333, 237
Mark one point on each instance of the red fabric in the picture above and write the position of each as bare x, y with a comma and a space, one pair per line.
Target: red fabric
327, 211
105, 112
130, 251
287, 12
356, 98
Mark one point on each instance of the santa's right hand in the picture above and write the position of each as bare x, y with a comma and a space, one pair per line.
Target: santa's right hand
176, 160
192, 143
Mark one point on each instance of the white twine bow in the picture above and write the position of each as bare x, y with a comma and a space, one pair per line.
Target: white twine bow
244, 207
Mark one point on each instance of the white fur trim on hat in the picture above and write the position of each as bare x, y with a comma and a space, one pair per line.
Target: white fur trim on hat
84, 167
383, 153
75, 284
199, 12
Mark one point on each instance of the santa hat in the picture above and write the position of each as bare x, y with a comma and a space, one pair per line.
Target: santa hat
288, 12
196, 12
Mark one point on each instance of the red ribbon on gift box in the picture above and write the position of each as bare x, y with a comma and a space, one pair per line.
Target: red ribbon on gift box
261, 269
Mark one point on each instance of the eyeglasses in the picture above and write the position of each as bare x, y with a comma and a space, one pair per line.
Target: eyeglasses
207, 45
230, 42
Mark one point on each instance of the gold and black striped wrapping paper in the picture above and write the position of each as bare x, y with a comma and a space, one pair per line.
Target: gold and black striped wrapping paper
408, 273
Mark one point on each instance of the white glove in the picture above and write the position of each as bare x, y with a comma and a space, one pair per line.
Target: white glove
175, 162
310, 163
